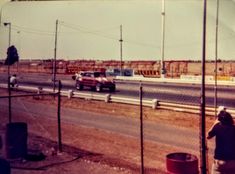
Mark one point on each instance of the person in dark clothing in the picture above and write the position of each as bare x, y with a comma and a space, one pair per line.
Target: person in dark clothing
224, 132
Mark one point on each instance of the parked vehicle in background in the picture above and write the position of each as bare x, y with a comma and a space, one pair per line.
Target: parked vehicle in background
96, 80
117, 72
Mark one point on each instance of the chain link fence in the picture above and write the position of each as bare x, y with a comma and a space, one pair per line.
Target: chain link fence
131, 137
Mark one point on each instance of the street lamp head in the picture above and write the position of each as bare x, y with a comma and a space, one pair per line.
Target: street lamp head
6, 23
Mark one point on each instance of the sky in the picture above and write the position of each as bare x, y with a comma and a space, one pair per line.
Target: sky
90, 29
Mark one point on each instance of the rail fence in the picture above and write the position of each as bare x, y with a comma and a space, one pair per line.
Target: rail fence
154, 103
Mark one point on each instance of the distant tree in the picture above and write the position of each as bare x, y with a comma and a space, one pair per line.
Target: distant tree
12, 56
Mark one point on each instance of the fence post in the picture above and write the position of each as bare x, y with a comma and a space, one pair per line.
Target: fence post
9, 97
155, 103
202, 104
58, 118
141, 129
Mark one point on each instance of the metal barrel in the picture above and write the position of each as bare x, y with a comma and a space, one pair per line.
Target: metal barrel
181, 163
4, 166
16, 140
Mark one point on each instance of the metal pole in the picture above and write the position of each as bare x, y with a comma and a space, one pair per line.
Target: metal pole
8, 73
55, 51
202, 118
9, 44
121, 40
19, 49
1, 11
59, 119
216, 57
141, 130
163, 41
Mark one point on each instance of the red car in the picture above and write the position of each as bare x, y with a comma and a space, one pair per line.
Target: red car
95, 80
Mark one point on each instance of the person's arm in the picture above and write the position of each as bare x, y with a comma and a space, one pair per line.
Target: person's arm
211, 133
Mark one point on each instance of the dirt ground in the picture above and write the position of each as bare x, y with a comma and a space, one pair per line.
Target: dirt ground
89, 150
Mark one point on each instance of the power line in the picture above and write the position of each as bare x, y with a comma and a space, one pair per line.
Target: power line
32, 30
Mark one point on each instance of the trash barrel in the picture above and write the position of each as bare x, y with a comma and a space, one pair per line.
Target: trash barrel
4, 166
181, 163
2, 143
16, 140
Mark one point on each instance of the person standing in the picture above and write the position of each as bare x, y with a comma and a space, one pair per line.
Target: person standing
223, 130
13, 80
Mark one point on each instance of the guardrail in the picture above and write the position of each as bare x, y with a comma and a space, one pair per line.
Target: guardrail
153, 103
169, 80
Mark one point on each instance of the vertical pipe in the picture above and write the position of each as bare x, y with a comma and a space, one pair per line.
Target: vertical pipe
202, 118
121, 40
141, 130
9, 99
1, 11
163, 41
19, 49
216, 57
55, 52
8, 75
59, 119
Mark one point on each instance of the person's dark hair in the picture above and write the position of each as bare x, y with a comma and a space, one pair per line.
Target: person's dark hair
225, 118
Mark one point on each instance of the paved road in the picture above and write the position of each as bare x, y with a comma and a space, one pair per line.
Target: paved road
153, 131
179, 93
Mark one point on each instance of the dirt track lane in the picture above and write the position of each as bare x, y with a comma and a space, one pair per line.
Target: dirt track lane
153, 131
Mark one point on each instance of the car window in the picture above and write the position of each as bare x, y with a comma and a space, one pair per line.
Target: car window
102, 75
96, 74
86, 75
99, 74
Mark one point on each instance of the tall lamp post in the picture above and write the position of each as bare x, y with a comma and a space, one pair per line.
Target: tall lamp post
163, 71
216, 55
8, 71
1, 11
9, 36
19, 50
121, 40
9, 43
55, 55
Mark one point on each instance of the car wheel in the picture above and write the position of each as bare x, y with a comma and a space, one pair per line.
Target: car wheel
98, 88
112, 89
79, 86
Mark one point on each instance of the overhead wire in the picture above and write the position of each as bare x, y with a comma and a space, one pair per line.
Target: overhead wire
81, 29
33, 30
99, 33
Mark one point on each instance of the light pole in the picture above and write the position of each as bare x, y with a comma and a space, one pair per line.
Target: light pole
163, 71
19, 50
9, 44
1, 11
55, 55
121, 40
216, 56
8, 70
9, 35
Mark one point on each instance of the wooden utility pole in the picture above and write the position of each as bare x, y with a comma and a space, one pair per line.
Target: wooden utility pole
55, 52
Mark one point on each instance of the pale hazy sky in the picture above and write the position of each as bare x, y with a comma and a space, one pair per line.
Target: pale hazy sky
89, 29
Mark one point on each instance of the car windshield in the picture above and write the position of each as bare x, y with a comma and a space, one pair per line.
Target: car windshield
99, 74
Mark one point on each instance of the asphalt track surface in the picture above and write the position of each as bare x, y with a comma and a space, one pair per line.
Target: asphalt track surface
168, 92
